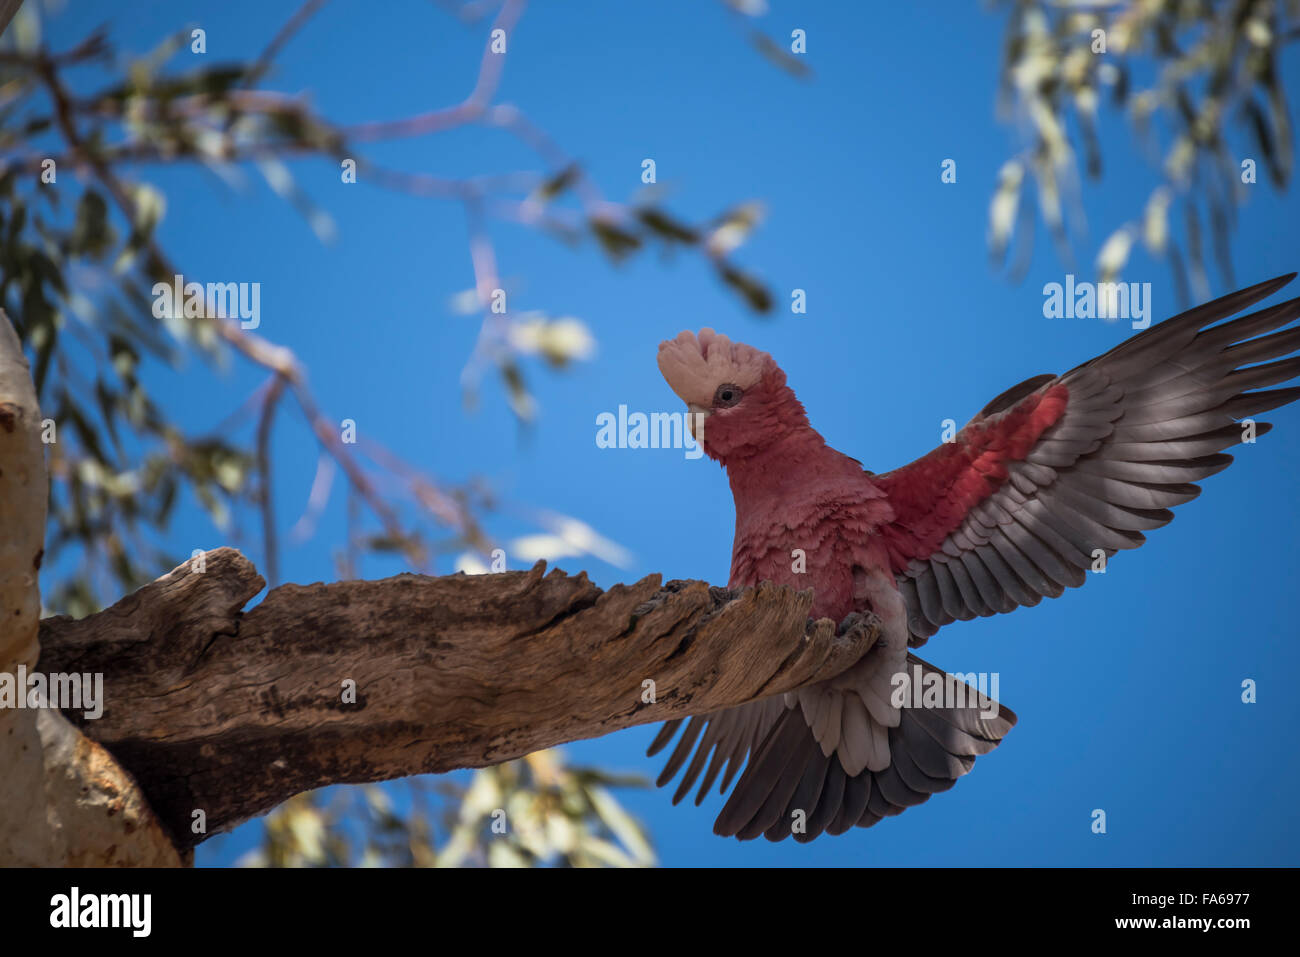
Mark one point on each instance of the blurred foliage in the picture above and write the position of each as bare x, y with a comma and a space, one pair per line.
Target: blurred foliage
780, 55
528, 813
1186, 74
80, 255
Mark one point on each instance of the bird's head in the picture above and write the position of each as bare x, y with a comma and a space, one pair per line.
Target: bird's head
738, 394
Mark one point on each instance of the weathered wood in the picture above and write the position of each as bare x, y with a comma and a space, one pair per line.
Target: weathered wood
228, 712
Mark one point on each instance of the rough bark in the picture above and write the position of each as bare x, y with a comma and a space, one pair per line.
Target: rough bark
228, 713
63, 798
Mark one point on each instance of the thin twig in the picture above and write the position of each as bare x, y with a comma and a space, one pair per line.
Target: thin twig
294, 24
269, 546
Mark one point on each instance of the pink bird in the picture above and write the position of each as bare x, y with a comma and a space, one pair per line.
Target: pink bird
1048, 478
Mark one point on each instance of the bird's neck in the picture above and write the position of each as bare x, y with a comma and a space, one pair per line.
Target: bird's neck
785, 466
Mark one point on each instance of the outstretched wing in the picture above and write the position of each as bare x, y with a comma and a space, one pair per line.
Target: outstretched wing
1062, 469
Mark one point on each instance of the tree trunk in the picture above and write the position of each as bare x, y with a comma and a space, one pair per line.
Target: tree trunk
63, 798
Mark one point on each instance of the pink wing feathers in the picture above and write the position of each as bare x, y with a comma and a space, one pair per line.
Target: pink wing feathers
1061, 470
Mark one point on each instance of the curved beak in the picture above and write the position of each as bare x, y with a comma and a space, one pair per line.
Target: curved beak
695, 416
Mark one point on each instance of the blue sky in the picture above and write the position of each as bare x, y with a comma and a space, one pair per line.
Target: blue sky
1128, 690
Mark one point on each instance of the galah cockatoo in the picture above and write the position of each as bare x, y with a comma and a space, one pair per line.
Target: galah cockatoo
1049, 477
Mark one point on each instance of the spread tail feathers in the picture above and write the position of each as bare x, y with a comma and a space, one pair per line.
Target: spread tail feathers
791, 788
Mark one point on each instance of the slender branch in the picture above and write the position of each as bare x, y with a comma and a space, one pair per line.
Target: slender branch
329, 437
278, 42
468, 110
270, 549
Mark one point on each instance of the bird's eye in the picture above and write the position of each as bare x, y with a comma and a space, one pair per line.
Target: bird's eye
727, 395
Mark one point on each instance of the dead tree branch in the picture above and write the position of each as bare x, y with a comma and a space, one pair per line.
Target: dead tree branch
229, 712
